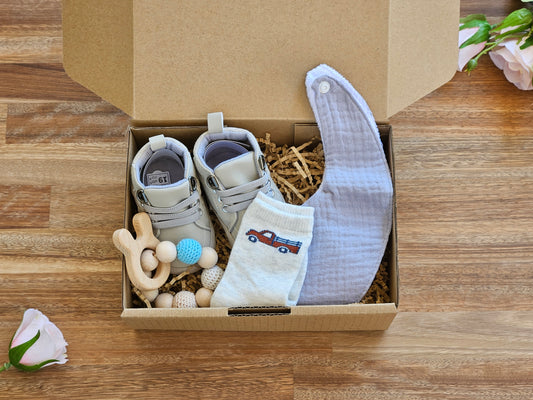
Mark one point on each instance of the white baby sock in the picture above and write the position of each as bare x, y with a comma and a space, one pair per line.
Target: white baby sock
268, 261
353, 206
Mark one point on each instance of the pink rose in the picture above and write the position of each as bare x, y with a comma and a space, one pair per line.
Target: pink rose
471, 50
517, 64
36, 343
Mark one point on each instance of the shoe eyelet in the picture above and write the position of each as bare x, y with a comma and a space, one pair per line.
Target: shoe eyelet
212, 182
193, 185
262, 162
141, 196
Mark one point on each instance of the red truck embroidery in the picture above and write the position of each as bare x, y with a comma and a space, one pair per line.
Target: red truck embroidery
271, 239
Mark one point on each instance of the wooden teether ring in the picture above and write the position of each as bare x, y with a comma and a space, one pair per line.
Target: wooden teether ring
132, 249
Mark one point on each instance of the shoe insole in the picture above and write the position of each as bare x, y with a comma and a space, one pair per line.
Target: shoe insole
223, 150
164, 167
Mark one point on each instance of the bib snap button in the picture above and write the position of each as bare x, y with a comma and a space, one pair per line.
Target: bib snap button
324, 87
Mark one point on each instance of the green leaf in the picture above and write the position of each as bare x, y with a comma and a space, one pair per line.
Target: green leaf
11, 341
528, 42
473, 23
519, 18
33, 367
482, 35
471, 17
511, 32
15, 354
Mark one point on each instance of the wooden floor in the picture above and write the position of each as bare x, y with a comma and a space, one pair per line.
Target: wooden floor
464, 170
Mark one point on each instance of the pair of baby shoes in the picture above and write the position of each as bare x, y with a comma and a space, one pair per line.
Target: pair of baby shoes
231, 170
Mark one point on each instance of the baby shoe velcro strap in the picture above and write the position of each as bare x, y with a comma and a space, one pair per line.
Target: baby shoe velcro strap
239, 198
183, 213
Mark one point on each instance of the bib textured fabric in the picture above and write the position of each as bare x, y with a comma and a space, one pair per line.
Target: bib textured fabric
353, 205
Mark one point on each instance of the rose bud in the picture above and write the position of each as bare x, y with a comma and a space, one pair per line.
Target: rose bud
36, 343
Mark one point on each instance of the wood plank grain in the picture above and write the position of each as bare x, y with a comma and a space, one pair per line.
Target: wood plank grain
269, 349
31, 49
40, 82
84, 152
74, 295
200, 367
18, 263
92, 245
483, 98
464, 179
3, 118
100, 207
192, 382
462, 197
429, 356
74, 122
495, 9
30, 13
24, 206
64, 172
30, 32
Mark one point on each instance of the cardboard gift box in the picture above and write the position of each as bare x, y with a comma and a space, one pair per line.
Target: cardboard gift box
168, 63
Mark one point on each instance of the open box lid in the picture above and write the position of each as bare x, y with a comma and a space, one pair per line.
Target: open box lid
163, 60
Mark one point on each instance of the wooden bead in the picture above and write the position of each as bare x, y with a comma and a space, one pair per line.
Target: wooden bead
150, 295
166, 251
203, 297
148, 260
164, 300
208, 258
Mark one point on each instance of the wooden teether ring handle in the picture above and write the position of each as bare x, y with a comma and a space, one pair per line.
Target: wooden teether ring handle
132, 249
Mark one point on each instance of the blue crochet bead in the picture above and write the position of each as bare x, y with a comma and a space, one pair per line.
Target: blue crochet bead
189, 251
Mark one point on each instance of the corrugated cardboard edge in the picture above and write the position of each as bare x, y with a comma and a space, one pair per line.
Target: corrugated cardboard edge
394, 267
301, 318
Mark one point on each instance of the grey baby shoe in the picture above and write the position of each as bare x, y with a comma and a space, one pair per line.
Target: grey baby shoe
232, 171
164, 185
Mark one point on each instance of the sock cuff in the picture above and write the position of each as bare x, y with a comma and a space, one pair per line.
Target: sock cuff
285, 207
296, 218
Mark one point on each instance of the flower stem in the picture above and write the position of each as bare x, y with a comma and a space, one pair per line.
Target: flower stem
5, 366
490, 45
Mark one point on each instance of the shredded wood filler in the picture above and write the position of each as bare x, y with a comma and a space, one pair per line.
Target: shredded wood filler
297, 172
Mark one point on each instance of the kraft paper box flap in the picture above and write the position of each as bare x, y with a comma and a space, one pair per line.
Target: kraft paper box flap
161, 60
